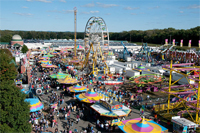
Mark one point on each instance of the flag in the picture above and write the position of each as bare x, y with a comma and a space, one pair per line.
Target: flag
199, 43
173, 42
181, 44
189, 44
166, 41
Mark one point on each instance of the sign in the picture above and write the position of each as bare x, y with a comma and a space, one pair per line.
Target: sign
105, 104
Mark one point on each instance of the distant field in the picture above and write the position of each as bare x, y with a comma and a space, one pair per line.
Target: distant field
158, 45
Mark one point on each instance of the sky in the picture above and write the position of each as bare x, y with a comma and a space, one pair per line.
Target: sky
119, 15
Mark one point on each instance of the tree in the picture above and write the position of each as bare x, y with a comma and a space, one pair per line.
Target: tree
7, 69
14, 111
24, 49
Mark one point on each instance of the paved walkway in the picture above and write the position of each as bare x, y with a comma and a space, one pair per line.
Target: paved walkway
82, 123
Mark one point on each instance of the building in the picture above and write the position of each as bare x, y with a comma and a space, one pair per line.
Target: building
17, 41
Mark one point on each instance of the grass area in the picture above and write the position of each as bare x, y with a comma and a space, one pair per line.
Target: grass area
177, 47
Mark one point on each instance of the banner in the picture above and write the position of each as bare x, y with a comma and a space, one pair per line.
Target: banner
166, 41
173, 42
181, 44
189, 44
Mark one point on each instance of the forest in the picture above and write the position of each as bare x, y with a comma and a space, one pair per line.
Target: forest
155, 36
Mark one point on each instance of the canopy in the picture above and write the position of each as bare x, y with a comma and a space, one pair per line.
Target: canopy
67, 80
140, 68
24, 91
59, 75
50, 66
43, 52
79, 47
43, 65
77, 88
139, 125
103, 111
48, 55
89, 97
35, 103
45, 60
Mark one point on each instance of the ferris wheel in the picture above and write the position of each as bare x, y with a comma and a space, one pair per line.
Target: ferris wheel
96, 40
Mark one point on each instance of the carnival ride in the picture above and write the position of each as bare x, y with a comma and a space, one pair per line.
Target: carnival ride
145, 54
125, 53
146, 82
96, 46
188, 97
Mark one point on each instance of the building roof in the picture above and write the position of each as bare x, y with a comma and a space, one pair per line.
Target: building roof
16, 38
17, 45
4, 43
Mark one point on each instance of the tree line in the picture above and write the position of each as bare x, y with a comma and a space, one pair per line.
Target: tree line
155, 36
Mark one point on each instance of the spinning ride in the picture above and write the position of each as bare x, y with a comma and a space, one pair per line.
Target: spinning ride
96, 46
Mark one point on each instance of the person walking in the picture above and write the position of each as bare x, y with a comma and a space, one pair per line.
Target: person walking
77, 118
66, 116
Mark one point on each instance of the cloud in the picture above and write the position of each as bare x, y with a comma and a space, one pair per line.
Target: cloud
64, 1
155, 7
133, 14
45, 1
68, 11
85, 13
23, 14
180, 11
130, 8
106, 5
193, 7
63, 11
90, 12
89, 5
24, 7
94, 11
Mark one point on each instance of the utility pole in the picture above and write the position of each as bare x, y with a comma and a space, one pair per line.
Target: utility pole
75, 11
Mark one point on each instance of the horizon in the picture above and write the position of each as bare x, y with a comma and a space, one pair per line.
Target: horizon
119, 15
